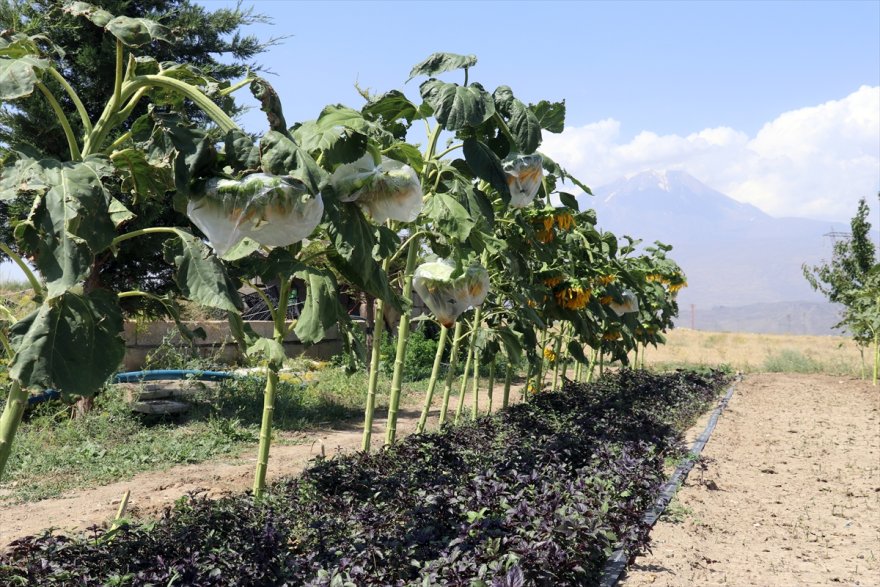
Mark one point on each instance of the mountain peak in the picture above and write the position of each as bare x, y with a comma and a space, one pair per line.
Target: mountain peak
673, 191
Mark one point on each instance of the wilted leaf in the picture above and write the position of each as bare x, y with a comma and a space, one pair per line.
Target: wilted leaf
200, 275
140, 176
441, 62
321, 309
18, 77
279, 155
449, 217
71, 343
68, 224
486, 165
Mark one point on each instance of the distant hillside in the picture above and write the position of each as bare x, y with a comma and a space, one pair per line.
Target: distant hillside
774, 318
734, 254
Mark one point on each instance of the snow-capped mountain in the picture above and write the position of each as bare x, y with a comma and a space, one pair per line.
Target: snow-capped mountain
733, 253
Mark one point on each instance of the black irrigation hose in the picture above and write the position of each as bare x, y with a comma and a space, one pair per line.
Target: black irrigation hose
615, 565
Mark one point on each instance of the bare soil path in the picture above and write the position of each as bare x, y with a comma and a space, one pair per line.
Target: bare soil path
790, 495
153, 491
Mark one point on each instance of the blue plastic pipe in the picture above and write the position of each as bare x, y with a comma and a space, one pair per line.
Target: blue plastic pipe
138, 376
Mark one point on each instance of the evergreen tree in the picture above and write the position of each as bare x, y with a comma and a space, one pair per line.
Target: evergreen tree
210, 40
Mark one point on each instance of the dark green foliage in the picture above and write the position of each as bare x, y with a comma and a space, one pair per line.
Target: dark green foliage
419, 359
537, 495
207, 39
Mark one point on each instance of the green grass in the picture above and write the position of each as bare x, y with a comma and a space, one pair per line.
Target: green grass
793, 361
53, 454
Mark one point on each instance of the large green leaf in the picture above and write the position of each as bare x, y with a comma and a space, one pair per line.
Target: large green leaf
441, 62
550, 115
98, 16
24, 176
406, 153
19, 76
169, 139
339, 144
68, 224
393, 105
337, 115
478, 203
242, 154
354, 240
140, 176
576, 350
321, 309
71, 343
200, 276
458, 107
523, 123
449, 217
486, 165
133, 32
119, 214
279, 155
525, 127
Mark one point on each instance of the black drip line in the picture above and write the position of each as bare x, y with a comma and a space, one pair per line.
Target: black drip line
615, 565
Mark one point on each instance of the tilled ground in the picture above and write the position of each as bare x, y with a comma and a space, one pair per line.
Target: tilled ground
789, 494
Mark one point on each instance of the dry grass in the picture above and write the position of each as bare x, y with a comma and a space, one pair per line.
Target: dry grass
834, 355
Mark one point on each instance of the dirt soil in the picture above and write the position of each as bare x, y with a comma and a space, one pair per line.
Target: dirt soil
153, 491
790, 495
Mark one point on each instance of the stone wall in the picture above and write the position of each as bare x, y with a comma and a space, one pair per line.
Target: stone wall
143, 339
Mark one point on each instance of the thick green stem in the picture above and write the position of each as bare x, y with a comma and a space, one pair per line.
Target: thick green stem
9, 421
402, 340
32, 279
432, 384
539, 383
476, 388
136, 233
491, 388
279, 316
120, 65
450, 374
75, 154
594, 354
508, 378
4, 341
464, 381
557, 351
109, 117
375, 355
77, 103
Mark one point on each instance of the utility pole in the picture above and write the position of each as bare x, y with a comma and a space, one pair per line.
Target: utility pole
693, 312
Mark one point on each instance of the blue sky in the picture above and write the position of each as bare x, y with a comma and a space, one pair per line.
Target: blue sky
774, 103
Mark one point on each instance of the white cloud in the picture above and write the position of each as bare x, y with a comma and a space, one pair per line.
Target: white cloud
811, 162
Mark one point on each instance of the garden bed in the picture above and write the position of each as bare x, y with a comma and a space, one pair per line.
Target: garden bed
540, 492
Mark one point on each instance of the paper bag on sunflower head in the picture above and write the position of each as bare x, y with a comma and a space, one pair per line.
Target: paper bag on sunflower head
272, 210
524, 175
389, 190
630, 304
447, 298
